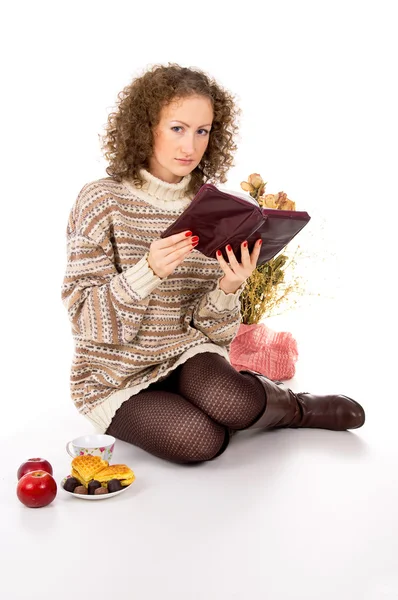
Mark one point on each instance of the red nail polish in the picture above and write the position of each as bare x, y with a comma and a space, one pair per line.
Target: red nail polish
219, 252
260, 242
244, 244
188, 233
229, 248
195, 238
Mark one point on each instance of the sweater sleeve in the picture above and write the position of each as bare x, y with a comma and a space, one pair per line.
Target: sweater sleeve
218, 316
104, 305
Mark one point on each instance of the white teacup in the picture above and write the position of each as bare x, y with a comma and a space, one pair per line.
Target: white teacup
96, 444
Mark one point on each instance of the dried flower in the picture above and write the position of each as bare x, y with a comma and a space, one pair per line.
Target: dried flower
279, 201
267, 288
255, 185
268, 201
247, 186
261, 190
256, 180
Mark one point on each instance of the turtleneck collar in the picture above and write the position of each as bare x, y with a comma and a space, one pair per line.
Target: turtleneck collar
167, 192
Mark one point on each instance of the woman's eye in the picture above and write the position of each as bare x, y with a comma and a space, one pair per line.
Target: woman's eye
202, 132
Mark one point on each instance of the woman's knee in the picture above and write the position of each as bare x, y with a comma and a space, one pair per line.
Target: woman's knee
168, 426
232, 399
203, 443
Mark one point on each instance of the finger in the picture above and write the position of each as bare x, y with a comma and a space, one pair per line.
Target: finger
171, 240
185, 243
244, 250
178, 253
172, 260
256, 252
223, 263
232, 258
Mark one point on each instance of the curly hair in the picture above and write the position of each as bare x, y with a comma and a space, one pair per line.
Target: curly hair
128, 142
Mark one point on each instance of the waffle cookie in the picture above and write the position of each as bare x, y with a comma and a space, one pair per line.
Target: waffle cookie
121, 472
85, 468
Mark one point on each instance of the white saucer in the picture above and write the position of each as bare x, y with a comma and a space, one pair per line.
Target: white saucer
93, 496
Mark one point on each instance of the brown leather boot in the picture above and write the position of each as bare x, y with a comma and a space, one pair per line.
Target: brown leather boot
285, 408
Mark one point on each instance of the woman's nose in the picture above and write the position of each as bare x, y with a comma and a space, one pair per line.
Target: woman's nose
188, 145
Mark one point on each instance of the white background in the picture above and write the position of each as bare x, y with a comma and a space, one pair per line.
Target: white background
316, 82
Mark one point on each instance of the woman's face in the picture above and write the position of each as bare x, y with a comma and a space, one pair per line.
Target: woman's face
182, 133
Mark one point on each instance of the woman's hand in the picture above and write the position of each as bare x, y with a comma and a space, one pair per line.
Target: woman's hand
237, 273
165, 254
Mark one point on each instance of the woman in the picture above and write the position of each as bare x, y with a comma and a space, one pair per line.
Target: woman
153, 319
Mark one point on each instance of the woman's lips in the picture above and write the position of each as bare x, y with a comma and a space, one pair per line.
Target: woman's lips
183, 161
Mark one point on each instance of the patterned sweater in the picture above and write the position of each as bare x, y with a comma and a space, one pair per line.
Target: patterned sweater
130, 327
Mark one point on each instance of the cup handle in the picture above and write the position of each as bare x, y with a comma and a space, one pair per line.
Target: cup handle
68, 451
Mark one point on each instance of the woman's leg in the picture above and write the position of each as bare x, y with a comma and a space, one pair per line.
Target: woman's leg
168, 426
234, 399
212, 384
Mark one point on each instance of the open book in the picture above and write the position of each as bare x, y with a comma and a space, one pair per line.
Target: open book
220, 218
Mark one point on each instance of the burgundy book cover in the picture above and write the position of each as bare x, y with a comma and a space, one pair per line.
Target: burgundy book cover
220, 218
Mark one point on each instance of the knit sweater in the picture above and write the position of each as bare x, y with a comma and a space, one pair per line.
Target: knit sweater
130, 327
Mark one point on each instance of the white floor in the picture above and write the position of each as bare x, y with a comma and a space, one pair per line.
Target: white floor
289, 514
281, 515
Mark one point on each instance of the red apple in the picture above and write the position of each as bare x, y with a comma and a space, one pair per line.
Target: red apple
36, 489
34, 464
